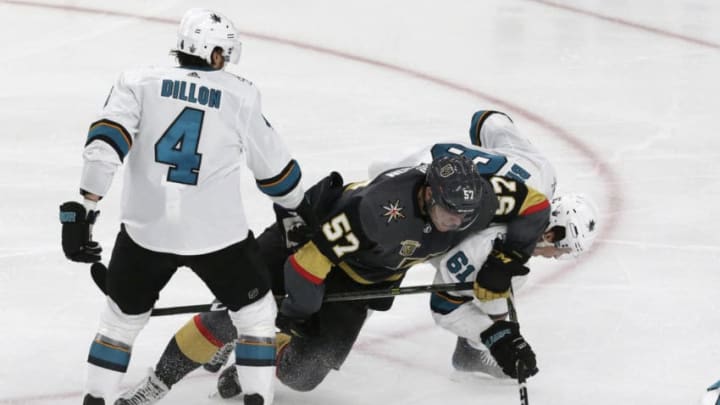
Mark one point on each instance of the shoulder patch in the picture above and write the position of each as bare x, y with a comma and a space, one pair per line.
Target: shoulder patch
408, 247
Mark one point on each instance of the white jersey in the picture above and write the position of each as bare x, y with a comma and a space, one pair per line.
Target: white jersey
504, 151
184, 136
459, 311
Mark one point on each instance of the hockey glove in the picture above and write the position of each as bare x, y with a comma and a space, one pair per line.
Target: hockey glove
494, 279
508, 347
298, 224
77, 240
295, 327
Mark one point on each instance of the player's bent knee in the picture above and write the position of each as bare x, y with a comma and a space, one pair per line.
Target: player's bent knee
256, 319
302, 380
119, 326
219, 324
110, 350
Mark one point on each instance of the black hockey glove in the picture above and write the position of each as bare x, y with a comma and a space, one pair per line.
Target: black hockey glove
508, 348
295, 327
494, 279
77, 240
298, 225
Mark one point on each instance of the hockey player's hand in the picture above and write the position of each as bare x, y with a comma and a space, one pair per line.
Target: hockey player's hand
295, 327
77, 242
494, 279
298, 225
508, 348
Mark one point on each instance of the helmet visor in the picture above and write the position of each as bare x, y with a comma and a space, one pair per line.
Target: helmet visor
448, 219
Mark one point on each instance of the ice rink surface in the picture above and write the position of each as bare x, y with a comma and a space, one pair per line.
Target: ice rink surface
622, 95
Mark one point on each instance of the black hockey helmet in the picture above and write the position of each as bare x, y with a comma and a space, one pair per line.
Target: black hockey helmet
456, 185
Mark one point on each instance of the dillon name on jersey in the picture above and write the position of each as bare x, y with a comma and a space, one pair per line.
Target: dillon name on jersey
184, 136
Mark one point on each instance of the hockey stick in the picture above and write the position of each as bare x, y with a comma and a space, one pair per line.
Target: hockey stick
332, 297
522, 380
98, 271
519, 366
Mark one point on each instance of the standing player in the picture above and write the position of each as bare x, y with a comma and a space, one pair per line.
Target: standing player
183, 133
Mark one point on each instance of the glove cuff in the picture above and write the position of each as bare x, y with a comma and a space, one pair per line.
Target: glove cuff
89, 205
514, 254
498, 331
72, 212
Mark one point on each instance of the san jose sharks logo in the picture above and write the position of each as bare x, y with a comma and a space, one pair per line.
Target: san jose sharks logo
393, 211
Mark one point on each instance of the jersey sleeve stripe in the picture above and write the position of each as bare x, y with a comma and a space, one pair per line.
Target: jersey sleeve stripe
534, 202
310, 264
476, 123
444, 303
113, 134
283, 183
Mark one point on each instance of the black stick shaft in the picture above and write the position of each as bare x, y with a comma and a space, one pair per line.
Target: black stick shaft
522, 383
333, 297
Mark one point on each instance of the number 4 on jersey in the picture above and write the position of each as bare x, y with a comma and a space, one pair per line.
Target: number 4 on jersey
178, 146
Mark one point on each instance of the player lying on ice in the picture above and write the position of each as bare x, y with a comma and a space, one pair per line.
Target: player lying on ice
473, 315
498, 147
323, 340
360, 246
462, 320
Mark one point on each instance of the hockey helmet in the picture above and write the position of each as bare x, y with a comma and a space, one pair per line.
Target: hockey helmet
574, 218
457, 186
202, 30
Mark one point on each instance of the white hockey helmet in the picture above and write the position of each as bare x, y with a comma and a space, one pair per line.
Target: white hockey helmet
578, 216
202, 30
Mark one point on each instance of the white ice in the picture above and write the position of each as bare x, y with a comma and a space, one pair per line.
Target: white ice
622, 95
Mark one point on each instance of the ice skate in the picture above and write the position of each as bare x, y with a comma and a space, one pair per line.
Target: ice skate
469, 359
148, 391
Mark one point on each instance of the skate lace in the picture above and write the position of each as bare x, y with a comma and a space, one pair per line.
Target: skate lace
147, 392
487, 359
222, 355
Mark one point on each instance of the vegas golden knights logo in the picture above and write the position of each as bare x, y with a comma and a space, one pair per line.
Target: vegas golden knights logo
447, 170
408, 247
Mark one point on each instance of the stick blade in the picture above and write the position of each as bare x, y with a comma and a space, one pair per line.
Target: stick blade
98, 272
